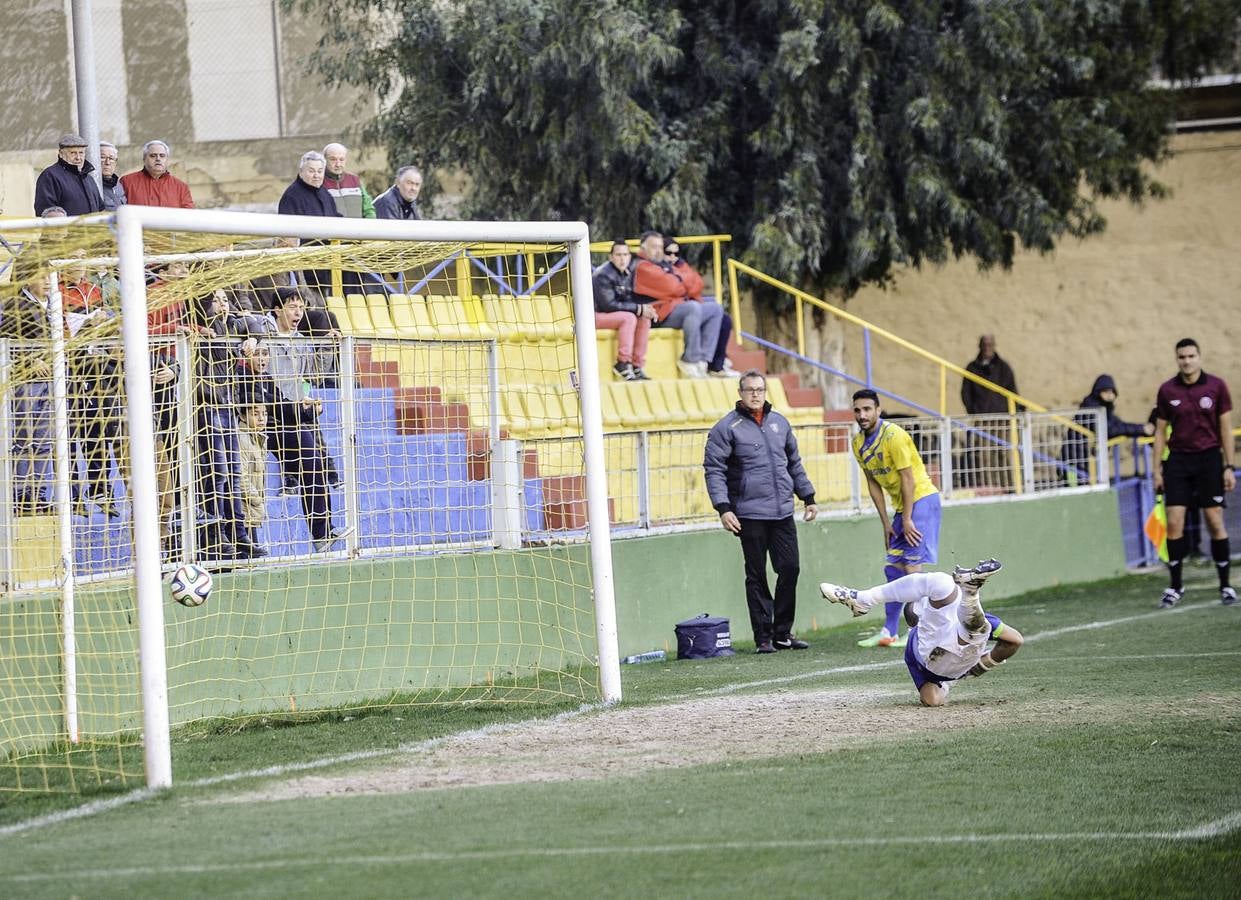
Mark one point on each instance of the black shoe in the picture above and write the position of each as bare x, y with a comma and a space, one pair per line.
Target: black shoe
792, 642
249, 550
765, 647
639, 375
623, 371
288, 486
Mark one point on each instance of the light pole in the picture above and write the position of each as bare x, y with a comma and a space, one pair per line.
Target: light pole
84, 76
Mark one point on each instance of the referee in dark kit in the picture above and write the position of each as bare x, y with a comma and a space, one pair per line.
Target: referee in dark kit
1199, 468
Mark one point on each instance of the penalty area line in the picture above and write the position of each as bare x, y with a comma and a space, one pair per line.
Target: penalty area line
1206, 831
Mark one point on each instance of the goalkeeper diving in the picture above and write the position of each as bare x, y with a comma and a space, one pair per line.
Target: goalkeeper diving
950, 637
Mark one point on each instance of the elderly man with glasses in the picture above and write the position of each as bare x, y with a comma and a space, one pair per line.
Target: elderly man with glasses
753, 469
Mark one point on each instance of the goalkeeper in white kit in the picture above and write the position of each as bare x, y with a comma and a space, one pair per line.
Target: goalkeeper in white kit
949, 631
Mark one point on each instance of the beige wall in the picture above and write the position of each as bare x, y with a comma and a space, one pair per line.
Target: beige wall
184, 71
1116, 303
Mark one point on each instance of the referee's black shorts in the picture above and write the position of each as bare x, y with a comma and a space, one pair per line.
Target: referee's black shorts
1194, 479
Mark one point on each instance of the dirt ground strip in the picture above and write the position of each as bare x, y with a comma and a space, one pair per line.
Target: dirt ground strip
630, 741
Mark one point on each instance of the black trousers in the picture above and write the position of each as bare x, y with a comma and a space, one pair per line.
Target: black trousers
770, 617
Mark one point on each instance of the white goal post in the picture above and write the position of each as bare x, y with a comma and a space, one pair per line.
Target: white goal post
134, 221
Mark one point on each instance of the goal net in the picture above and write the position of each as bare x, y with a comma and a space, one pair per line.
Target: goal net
382, 439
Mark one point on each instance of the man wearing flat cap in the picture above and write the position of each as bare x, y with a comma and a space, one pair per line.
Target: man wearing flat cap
67, 183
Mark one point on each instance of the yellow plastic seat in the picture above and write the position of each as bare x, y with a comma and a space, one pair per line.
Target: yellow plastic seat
655, 401
381, 315
534, 317
501, 313
477, 317
336, 306
608, 409
359, 315
449, 318
559, 309
402, 315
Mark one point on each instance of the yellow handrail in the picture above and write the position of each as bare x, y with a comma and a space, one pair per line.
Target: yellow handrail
945, 366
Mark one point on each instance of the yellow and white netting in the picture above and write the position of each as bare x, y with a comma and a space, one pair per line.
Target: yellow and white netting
374, 446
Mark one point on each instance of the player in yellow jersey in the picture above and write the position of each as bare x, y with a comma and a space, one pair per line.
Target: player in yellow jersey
893, 468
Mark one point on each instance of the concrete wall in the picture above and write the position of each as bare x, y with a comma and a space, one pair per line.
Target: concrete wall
297, 638
1044, 542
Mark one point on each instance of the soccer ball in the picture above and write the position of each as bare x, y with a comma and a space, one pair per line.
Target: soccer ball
191, 585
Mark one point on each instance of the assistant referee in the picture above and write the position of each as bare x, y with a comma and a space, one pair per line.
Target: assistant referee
1199, 467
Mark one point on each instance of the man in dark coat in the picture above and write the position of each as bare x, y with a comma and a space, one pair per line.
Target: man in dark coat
307, 196
67, 183
401, 200
987, 462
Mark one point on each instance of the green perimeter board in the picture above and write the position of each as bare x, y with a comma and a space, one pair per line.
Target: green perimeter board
1063, 539
380, 626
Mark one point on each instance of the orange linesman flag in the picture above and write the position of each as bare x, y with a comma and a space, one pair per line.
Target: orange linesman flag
1156, 528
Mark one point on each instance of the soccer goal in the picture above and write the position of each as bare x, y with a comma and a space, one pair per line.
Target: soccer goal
380, 442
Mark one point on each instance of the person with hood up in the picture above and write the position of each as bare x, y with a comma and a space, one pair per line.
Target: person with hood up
1077, 451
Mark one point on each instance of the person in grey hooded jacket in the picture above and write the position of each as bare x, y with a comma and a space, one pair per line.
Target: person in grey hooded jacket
753, 469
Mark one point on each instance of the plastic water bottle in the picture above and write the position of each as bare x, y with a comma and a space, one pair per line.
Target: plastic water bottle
648, 656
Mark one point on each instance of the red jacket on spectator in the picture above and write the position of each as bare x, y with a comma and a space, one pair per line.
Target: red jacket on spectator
168, 190
163, 317
693, 282
652, 283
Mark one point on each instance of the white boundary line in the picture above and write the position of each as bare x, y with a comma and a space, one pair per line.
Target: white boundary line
900, 660
100, 806
1207, 830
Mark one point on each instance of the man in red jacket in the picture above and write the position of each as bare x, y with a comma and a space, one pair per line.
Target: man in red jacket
655, 282
153, 185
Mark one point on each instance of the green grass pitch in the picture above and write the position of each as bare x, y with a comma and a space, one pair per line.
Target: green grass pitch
1101, 761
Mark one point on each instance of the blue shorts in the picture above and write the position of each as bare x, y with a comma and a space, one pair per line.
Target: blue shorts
926, 517
920, 673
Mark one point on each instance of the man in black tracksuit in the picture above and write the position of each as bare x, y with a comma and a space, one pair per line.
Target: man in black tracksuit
753, 469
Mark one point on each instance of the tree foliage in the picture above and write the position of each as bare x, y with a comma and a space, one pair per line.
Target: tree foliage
835, 139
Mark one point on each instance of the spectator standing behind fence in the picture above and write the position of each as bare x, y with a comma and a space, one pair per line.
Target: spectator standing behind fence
753, 469
401, 200
616, 309
1194, 420
1077, 451
252, 444
95, 391
306, 196
67, 183
654, 282
165, 321
153, 184
295, 418
24, 317
986, 462
719, 365
113, 190
218, 457
346, 188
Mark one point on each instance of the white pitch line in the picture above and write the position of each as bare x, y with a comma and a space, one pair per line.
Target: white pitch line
1205, 831
98, 806
900, 660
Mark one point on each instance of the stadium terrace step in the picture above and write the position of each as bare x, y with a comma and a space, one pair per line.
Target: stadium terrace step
372, 373
836, 440
744, 360
478, 456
